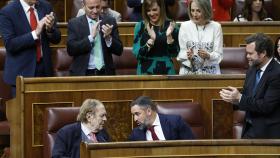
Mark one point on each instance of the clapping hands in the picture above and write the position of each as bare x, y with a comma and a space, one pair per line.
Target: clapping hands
170, 29
151, 32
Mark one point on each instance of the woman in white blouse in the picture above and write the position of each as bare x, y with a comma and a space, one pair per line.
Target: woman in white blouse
201, 41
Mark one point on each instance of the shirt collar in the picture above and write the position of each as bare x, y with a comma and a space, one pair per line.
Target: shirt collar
89, 19
85, 129
26, 6
157, 121
265, 66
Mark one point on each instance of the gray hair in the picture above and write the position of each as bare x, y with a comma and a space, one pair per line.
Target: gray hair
88, 106
205, 7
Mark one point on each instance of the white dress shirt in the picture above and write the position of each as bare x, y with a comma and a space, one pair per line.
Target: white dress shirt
157, 129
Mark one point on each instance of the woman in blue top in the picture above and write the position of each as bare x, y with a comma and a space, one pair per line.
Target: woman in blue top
155, 40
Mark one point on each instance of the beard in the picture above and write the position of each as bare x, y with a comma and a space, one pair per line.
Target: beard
143, 126
255, 63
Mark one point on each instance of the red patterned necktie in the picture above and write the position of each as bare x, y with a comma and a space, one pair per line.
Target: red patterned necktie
152, 130
33, 24
93, 137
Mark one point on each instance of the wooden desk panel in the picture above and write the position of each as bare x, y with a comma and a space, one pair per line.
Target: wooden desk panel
116, 92
196, 148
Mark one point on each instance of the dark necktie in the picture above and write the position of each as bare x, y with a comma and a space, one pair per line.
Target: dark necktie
152, 130
33, 24
257, 80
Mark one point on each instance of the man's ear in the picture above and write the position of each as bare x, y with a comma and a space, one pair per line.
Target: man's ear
263, 53
149, 111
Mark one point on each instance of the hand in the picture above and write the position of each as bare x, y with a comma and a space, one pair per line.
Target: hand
49, 21
95, 28
231, 94
151, 32
170, 29
107, 30
203, 54
150, 43
40, 26
190, 53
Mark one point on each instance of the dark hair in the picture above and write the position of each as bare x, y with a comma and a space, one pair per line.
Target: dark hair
147, 4
276, 54
144, 102
247, 10
263, 43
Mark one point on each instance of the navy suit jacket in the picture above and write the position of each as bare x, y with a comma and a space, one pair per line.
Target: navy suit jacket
68, 139
263, 107
19, 43
173, 127
79, 46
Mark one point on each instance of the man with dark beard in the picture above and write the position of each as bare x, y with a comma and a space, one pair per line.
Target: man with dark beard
260, 97
155, 126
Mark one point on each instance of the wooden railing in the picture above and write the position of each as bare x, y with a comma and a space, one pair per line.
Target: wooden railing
194, 148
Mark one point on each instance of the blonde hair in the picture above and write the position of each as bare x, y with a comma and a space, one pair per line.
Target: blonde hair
205, 7
88, 106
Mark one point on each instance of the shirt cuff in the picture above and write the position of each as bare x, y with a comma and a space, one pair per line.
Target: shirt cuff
108, 41
34, 35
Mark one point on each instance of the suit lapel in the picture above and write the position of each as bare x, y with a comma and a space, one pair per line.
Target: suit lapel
22, 19
251, 81
264, 76
39, 11
84, 24
164, 126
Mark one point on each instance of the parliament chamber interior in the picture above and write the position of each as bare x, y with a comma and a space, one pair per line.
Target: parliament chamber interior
44, 105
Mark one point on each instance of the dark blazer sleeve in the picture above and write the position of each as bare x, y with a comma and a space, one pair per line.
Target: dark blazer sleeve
267, 98
77, 44
67, 141
14, 43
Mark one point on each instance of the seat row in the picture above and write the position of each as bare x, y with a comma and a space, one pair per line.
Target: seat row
234, 62
56, 117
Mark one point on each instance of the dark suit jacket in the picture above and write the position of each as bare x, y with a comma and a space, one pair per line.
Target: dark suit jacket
79, 46
173, 127
19, 43
68, 139
263, 108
